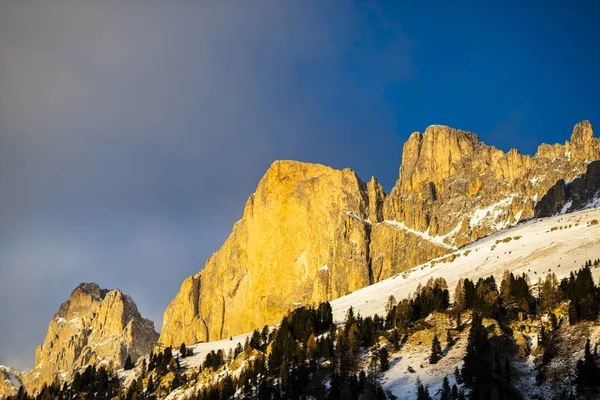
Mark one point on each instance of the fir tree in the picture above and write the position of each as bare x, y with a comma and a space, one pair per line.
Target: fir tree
454, 394
436, 350
446, 392
476, 362
422, 391
128, 363
384, 361
182, 351
588, 372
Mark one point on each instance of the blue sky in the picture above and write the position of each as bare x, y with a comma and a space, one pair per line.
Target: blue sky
131, 133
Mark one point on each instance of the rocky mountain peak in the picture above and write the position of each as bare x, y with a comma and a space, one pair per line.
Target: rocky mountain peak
312, 233
95, 326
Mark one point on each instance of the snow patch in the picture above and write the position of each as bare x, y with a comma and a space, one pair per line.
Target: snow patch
567, 205
439, 240
355, 215
491, 213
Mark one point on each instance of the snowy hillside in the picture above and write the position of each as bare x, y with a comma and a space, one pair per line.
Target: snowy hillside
558, 244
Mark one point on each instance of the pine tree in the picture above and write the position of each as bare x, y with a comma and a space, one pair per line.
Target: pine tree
476, 362
128, 363
384, 360
422, 391
588, 372
238, 350
454, 395
436, 351
150, 386
182, 351
449, 340
446, 391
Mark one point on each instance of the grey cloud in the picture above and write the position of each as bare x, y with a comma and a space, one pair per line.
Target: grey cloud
131, 134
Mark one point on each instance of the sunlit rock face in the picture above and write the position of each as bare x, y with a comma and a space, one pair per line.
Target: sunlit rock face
95, 326
312, 233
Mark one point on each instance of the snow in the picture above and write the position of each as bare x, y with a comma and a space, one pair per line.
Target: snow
10, 375
537, 252
535, 247
354, 215
324, 268
595, 203
491, 213
425, 235
200, 350
567, 205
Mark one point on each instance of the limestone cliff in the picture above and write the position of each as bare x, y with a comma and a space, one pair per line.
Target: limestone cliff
10, 382
312, 233
303, 237
95, 326
578, 194
458, 189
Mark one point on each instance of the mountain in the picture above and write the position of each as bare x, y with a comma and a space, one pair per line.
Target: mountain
94, 327
536, 247
312, 233
10, 381
578, 194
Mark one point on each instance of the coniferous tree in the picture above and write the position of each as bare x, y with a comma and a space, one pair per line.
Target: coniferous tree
384, 359
446, 392
436, 350
454, 394
476, 363
588, 373
238, 350
422, 391
128, 363
183, 351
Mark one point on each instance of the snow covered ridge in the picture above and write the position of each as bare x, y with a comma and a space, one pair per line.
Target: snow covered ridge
491, 216
558, 244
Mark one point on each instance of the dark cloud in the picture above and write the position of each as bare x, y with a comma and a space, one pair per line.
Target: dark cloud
131, 134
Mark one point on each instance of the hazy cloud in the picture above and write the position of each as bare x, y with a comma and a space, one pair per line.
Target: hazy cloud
131, 134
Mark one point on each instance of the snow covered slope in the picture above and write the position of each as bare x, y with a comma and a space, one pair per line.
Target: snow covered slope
536, 247
559, 244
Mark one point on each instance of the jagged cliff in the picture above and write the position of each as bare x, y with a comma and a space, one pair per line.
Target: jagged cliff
312, 233
578, 194
10, 381
95, 326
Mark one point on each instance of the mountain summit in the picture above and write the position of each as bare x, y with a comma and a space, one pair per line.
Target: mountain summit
312, 233
94, 327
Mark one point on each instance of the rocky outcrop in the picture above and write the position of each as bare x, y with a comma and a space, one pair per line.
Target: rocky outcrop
95, 326
456, 188
312, 233
303, 237
10, 382
578, 194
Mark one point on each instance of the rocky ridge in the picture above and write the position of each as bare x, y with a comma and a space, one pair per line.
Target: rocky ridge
312, 233
95, 326
578, 194
10, 381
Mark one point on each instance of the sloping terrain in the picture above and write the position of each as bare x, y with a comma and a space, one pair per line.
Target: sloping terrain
311, 233
558, 244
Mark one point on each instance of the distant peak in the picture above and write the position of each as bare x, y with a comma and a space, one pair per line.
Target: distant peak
92, 289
